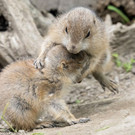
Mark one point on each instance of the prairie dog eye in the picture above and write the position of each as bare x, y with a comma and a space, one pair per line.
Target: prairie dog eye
66, 30
88, 34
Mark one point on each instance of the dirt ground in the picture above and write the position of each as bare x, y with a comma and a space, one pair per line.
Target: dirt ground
110, 113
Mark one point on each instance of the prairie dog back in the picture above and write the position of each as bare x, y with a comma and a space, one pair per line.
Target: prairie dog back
30, 93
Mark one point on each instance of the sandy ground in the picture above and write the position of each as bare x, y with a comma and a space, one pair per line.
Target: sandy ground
110, 114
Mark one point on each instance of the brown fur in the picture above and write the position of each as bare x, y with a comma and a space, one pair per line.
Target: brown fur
70, 30
31, 93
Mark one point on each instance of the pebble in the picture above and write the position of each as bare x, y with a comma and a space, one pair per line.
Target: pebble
88, 87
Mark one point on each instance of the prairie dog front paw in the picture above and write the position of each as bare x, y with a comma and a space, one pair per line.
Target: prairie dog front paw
39, 63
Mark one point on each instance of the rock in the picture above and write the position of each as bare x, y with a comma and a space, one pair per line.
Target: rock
42, 20
62, 5
88, 87
123, 39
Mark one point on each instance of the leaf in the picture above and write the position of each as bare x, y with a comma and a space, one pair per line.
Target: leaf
2, 117
119, 12
127, 67
115, 55
101, 129
132, 61
77, 101
118, 63
38, 134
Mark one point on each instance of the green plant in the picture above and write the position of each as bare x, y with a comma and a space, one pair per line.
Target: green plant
101, 129
129, 65
77, 101
119, 12
117, 60
2, 117
38, 134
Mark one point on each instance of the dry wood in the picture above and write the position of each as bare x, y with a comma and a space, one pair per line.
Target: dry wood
23, 38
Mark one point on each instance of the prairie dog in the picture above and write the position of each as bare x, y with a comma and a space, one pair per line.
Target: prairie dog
31, 93
81, 30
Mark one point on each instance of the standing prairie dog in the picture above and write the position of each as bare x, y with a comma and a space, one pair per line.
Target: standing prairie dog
31, 93
81, 30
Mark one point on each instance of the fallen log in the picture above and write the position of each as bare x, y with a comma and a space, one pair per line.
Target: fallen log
22, 38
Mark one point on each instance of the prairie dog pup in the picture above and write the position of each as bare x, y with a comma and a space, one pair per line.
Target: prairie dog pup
81, 30
31, 93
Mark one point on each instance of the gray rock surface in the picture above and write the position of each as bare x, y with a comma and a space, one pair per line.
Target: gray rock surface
123, 40
62, 5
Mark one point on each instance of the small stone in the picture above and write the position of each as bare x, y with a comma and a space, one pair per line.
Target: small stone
88, 87
21, 131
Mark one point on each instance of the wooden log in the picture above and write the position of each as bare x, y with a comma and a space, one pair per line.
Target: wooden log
42, 20
22, 38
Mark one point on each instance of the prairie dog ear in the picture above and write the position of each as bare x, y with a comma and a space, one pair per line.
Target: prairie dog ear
64, 65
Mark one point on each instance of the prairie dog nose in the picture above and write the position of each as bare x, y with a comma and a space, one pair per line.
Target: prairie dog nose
73, 47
